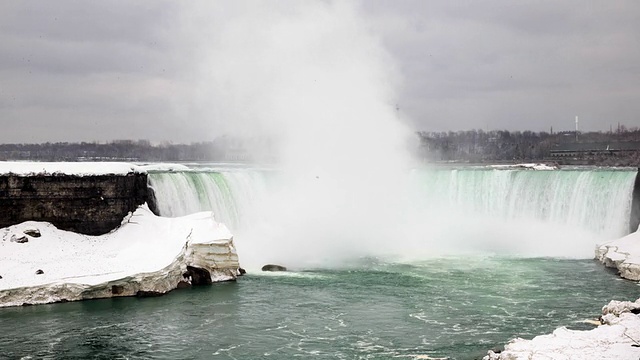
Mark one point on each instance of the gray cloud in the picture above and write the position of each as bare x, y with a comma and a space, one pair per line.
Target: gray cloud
79, 71
514, 65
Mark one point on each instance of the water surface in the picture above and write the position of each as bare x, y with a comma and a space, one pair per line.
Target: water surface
456, 307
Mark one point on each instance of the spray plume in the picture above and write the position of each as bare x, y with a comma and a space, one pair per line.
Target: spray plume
311, 76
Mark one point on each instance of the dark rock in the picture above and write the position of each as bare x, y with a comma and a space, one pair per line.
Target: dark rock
199, 276
183, 285
117, 289
19, 240
33, 233
143, 294
39, 272
273, 267
242, 271
0, 276
92, 205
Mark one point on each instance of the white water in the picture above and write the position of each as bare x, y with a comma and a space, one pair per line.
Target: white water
514, 212
314, 79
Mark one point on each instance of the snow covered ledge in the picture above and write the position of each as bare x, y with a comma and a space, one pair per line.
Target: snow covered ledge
146, 255
622, 254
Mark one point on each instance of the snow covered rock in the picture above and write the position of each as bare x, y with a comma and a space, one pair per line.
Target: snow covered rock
146, 255
31, 168
622, 254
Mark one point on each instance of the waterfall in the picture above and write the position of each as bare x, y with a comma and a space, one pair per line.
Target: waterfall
515, 211
596, 200
227, 193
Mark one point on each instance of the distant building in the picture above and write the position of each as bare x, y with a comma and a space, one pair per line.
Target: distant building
592, 149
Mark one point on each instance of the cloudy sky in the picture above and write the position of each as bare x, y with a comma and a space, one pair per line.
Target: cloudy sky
85, 71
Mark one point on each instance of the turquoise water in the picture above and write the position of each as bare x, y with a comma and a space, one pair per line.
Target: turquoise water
456, 307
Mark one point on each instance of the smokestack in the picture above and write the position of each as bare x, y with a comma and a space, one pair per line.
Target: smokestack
576, 128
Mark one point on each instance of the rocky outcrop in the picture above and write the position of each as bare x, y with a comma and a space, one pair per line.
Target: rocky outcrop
92, 205
273, 267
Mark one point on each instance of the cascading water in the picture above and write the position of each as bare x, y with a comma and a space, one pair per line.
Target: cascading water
523, 212
595, 200
229, 194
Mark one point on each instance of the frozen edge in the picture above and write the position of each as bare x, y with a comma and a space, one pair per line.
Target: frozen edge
146, 256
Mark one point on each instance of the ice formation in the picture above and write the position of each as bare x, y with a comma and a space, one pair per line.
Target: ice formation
146, 255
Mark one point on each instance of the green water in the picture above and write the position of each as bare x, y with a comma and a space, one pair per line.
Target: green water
456, 307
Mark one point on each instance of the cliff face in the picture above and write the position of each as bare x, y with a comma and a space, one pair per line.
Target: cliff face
91, 205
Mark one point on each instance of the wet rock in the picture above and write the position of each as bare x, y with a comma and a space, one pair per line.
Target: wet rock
242, 271
0, 276
39, 272
183, 285
273, 267
33, 233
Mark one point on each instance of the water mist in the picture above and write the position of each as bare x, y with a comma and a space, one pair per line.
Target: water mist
311, 76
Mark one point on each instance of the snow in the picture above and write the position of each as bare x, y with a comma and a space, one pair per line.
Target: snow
24, 168
164, 167
532, 166
146, 253
622, 254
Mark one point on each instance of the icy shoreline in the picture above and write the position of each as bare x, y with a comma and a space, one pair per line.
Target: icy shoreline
617, 336
147, 255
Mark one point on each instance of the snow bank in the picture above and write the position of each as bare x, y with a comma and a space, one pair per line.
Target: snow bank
622, 254
67, 168
146, 255
532, 166
164, 167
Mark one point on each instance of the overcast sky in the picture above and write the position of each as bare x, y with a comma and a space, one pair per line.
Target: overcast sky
84, 71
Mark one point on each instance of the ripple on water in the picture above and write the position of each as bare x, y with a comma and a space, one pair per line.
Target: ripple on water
445, 307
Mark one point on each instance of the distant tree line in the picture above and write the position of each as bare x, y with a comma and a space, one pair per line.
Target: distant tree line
222, 149
478, 146
620, 147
